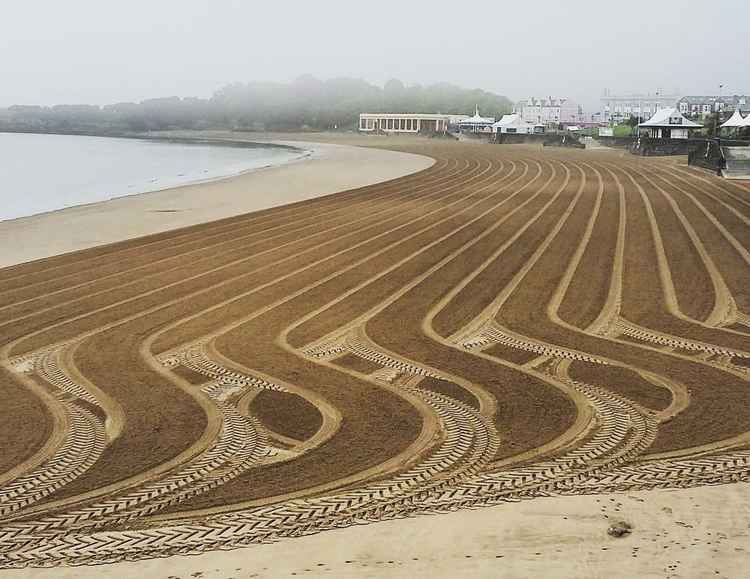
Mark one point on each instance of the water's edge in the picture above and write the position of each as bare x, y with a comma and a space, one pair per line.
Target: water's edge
300, 154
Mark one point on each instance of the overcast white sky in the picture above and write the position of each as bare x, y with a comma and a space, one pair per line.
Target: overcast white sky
102, 51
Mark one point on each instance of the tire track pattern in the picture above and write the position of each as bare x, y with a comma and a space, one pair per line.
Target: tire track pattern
453, 461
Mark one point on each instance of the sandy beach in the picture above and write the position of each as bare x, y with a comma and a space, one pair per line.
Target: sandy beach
385, 379
701, 532
323, 169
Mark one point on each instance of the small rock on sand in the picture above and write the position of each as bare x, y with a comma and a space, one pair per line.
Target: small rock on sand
619, 529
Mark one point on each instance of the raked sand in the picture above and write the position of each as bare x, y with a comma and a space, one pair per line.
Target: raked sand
699, 532
324, 169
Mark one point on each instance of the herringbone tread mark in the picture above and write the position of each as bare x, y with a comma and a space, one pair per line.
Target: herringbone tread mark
624, 432
492, 333
272, 523
674, 473
241, 443
48, 367
84, 444
31, 362
293, 518
197, 359
326, 350
645, 335
387, 375
363, 348
469, 443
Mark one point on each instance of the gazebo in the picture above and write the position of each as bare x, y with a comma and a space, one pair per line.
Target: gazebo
668, 124
477, 123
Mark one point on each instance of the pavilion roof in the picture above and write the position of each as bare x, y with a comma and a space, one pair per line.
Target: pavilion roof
513, 120
477, 119
670, 117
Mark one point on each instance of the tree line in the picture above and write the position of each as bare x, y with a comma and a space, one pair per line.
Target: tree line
306, 103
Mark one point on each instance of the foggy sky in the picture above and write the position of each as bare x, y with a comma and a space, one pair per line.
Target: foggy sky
102, 51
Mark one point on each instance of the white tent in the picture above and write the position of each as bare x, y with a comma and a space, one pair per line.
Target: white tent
736, 120
512, 124
477, 123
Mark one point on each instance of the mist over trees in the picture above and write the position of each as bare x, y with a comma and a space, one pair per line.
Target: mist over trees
303, 104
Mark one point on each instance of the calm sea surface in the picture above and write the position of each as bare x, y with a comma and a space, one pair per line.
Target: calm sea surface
40, 173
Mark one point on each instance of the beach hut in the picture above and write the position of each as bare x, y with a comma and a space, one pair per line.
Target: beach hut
668, 124
477, 123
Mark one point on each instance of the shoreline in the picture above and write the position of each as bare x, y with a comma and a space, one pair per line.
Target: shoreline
320, 169
301, 155
304, 154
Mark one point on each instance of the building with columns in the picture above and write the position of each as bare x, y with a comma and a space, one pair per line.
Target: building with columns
412, 123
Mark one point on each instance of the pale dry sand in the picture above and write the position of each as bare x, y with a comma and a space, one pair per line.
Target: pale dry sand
702, 532
328, 168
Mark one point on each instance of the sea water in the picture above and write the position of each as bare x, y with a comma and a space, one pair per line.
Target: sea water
40, 173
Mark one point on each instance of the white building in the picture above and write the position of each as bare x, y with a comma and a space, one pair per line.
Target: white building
403, 123
700, 106
513, 124
668, 124
477, 123
620, 107
550, 111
